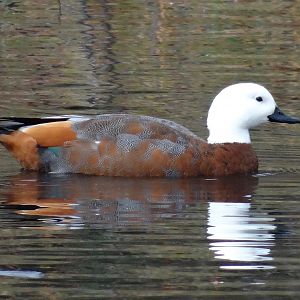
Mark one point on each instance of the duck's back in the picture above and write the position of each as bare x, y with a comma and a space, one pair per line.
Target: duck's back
144, 127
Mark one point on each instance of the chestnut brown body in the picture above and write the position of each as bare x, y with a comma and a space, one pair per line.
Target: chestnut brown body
128, 146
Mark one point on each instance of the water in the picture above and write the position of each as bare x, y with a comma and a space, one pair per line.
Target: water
85, 237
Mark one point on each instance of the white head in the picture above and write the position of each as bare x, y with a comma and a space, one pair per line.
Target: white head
236, 109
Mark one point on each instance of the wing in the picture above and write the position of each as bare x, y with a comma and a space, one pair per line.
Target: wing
144, 127
126, 145
51, 132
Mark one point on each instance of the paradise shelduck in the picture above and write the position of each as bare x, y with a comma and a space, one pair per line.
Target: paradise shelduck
136, 146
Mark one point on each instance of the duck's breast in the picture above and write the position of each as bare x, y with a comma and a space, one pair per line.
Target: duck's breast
228, 159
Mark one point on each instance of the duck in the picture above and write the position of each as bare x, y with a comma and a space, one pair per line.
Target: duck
128, 145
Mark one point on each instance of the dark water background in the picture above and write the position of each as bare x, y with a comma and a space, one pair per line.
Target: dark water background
83, 237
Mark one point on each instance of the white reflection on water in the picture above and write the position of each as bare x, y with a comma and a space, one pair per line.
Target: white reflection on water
240, 236
21, 274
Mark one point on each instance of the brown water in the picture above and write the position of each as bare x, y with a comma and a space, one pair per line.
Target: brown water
84, 237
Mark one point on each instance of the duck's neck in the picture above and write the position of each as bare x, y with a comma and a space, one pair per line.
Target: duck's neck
228, 135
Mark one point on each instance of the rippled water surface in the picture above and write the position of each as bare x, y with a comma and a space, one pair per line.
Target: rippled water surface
85, 237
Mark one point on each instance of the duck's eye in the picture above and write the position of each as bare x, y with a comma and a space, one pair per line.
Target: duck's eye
259, 99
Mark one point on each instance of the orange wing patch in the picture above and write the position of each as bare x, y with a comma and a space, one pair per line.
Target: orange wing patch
51, 134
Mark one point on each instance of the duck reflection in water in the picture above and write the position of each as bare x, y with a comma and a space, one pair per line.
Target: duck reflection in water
235, 232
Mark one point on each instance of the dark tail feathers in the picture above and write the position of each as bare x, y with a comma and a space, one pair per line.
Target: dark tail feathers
9, 124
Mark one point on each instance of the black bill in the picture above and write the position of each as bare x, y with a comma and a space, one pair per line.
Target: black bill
280, 117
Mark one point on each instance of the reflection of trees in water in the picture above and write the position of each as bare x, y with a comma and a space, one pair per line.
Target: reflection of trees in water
60, 57
99, 41
149, 57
